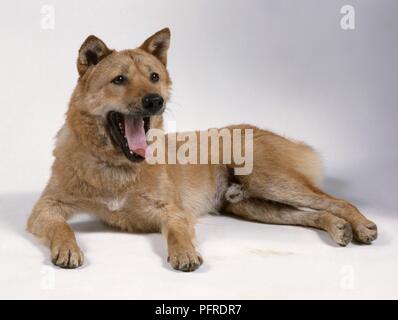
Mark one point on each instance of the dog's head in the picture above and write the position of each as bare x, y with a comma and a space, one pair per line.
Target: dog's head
120, 95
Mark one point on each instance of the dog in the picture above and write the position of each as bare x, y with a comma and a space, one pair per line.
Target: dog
100, 167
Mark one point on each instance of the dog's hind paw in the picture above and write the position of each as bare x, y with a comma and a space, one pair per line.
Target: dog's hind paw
365, 232
341, 232
235, 193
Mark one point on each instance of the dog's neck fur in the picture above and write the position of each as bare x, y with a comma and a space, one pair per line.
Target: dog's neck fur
78, 165
87, 155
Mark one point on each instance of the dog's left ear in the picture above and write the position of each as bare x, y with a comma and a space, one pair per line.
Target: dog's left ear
158, 44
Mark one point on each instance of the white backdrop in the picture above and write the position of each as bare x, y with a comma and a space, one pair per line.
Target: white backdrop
283, 65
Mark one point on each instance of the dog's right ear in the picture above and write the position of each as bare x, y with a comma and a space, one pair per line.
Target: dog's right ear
92, 51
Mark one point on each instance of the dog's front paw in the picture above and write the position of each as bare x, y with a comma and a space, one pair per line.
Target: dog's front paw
185, 260
365, 232
67, 255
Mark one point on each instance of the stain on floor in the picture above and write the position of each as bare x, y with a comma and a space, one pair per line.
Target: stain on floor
269, 252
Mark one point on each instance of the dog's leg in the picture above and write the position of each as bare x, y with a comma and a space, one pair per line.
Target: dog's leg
297, 191
178, 228
275, 213
48, 222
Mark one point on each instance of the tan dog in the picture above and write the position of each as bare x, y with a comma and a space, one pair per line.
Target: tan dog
98, 167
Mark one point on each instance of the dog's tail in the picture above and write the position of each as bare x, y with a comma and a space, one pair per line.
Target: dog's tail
309, 163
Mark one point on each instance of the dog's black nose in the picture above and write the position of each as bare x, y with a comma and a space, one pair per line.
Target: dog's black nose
152, 102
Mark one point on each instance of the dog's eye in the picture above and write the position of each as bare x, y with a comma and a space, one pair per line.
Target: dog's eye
154, 77
119, 80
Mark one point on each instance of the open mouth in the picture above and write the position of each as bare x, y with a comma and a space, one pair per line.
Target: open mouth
129, 134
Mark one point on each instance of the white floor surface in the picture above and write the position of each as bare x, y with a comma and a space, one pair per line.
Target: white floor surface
243, 260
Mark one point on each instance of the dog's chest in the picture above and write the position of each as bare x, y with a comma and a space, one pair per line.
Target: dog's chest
115, 204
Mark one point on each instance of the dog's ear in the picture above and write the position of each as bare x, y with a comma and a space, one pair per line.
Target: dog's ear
158, 44
92, 51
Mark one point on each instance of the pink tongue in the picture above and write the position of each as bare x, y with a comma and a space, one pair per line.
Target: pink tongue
135, 135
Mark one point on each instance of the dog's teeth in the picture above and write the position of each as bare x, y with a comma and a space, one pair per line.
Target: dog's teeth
131, 151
